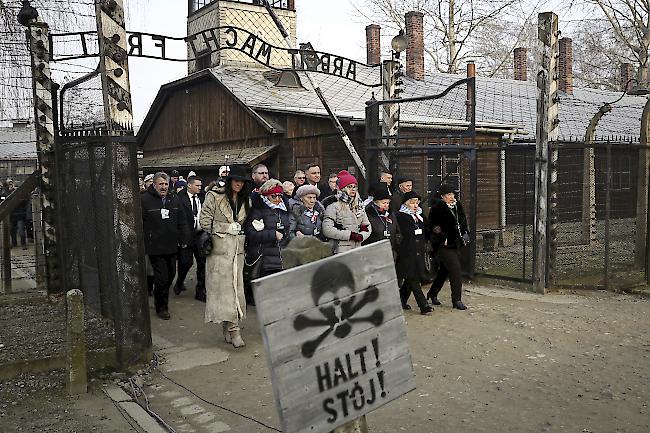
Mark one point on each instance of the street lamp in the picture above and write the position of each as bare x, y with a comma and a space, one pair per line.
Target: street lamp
27, 14
398, 44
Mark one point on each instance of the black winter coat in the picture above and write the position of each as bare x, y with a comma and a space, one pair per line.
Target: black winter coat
162, 235
263, 242
447, 224
411, 248
186, 212
380, 225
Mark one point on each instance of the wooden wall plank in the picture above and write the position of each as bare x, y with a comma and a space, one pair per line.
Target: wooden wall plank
336, 339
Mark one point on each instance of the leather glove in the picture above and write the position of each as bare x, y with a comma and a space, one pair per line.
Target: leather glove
364, 228
356, 237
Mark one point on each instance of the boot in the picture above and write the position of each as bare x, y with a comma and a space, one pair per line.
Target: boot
226, 334
237, 341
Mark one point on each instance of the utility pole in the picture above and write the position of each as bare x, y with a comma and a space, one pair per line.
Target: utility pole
127, 273
38, 41
391, 80
544, 243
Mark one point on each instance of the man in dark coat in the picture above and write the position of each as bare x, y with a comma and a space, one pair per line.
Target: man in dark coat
404, 185
18, 218
449, 234
190, 201
165, 230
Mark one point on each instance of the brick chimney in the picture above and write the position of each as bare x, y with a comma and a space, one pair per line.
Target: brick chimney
291, 5
373, 44
565, 66
627, 74
415, 46
521, 64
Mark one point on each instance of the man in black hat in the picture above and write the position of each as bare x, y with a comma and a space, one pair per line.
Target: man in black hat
165, 230
449, 235
404, 185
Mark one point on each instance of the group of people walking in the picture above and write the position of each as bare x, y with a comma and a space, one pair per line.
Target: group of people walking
252, 219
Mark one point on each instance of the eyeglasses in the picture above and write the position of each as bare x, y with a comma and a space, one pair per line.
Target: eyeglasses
275, 196
352, 186
300, 177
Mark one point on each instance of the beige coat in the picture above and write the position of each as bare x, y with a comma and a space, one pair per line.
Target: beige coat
224, 282
340, 220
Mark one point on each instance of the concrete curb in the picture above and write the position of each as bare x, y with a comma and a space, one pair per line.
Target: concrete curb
140, 416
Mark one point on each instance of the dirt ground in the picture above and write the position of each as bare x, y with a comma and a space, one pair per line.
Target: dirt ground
39, 403
514, 362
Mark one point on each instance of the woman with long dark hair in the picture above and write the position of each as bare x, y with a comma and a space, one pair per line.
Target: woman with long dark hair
223, 215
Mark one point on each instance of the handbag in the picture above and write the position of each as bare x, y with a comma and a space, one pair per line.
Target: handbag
204, 243
252, 271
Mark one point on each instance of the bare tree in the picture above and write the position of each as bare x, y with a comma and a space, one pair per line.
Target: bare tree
628, 23
451, 26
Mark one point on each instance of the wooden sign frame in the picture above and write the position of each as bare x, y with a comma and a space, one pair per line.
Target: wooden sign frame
335, 338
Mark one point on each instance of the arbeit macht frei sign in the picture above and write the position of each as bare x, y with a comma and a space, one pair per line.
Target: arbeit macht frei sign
335, 338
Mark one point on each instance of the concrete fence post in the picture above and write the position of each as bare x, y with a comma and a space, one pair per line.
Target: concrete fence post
76, 376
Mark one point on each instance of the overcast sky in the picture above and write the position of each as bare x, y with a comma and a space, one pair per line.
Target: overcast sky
331, 26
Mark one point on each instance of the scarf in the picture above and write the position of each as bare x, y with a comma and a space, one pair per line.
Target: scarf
312, 214
344, 197
385, 215
415, 214
280, 206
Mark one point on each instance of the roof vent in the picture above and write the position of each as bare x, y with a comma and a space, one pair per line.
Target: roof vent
289, 79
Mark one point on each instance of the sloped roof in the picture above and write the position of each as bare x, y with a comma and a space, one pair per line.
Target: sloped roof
246, 156
509, 103
18, 142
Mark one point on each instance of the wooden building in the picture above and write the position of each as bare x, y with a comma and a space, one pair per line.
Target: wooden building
230, 110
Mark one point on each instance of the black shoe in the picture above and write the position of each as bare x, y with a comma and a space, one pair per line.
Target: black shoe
163, 313
434, 300
178, 289
406, 307
459, 306
427, 311
200, 296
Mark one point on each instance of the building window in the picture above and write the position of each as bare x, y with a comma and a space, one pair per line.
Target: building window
621, 173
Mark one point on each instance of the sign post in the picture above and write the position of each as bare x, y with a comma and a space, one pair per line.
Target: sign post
335, 338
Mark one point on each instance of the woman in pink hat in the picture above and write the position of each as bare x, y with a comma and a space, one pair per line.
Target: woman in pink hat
345, 221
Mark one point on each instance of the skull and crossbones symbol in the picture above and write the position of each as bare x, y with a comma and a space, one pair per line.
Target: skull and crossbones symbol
331, 284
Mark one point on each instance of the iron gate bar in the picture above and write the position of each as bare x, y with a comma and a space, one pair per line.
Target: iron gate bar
432, 148
473, 181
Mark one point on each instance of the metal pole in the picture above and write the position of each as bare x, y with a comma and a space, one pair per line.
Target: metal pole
473, 179
39, 45
546, 132
525, 217
319, 93
372, 137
